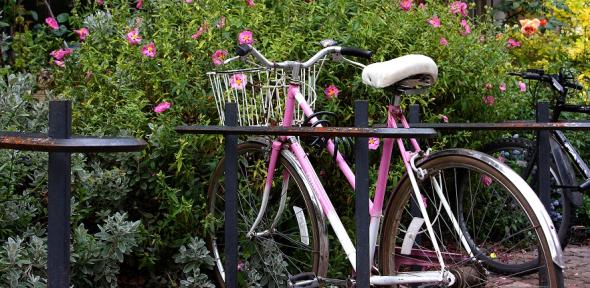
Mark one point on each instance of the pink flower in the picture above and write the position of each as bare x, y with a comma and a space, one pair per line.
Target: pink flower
434, 21
241, 266
444, 118
139, 4
100, 2
501, 158
489, 100
465, 26
513, 43
133, 37
82, 33
486, 180
59, 63
188, 1
245, 37
421, 6
443, 41
521, 86
373, 143
502, 87
488, 86
459, 7
250, 3
424, 200
221, 23
149, 50
238, 81
331, 91
406, 5
162, 107
202, 29
51, 22
218, 57
61, 53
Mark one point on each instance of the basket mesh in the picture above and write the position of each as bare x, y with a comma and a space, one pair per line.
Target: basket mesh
260, 93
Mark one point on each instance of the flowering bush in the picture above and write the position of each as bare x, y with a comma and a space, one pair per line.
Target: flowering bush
139, 68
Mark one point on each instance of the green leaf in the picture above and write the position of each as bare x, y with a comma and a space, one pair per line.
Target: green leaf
34, 15
63, 17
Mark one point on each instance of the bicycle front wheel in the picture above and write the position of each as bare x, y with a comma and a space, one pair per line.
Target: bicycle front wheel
477, 213
290, 237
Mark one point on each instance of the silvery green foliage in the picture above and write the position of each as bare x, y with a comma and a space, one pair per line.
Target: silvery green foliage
100, 23
23, 262
193, 257
14, 88
270, 261
99, 186
96, 258
252, 276
16, 112
16, 210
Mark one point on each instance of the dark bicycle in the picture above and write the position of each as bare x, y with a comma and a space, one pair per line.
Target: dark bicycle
566, 162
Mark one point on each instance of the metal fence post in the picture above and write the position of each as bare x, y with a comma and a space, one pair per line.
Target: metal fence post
230, 181
363, 268
414, 113
544, 150
58, 210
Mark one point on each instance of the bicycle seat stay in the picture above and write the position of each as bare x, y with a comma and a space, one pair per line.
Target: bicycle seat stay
421, 69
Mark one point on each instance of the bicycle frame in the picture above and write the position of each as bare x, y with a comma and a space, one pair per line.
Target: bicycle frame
376, 206
562, 140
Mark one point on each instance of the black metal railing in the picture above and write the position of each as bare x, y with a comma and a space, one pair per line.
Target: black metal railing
59, 143
361, 132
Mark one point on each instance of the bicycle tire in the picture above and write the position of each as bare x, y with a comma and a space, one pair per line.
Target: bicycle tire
300, 232
458, 170
517, 153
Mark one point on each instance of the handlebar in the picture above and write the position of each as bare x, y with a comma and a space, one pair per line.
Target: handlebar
244, 50
557, 81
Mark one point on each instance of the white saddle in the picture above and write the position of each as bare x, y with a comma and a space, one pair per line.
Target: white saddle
385, 74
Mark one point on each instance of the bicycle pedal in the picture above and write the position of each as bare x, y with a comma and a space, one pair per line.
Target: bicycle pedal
304, 280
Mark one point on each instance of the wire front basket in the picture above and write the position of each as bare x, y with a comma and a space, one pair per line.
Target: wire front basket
260, 93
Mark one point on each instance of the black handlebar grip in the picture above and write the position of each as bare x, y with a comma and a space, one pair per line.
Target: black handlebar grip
531, 75
356, 52
243, 50
536, 71
574, 86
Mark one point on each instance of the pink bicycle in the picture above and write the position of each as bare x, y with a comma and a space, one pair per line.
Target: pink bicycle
454, 216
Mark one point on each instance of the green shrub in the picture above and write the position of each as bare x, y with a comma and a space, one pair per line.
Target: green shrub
115, 88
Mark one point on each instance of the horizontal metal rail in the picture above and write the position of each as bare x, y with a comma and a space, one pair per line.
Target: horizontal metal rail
59, 143
310, 131
510, 125
44, 143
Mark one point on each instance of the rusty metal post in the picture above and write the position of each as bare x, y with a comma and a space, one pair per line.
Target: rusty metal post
363, 267
543, 156
231, 198
58, 210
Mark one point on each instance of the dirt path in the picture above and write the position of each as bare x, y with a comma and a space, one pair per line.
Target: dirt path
577, 261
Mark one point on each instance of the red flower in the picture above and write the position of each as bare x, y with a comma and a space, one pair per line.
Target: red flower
543, 22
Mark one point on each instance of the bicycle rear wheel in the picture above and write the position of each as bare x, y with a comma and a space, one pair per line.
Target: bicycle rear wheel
491, 213
519, 154
290, 238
